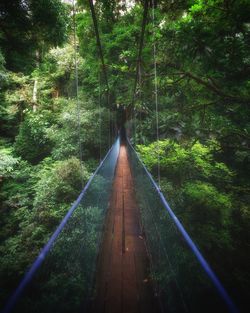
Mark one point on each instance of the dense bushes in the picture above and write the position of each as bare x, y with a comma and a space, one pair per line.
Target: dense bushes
34, 202
186, 161
32, 142
196, 184
59, 185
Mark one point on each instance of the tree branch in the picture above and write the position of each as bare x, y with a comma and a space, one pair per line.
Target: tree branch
212, 86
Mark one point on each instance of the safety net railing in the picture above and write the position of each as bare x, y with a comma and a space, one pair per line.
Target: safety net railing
183, 279
62, 277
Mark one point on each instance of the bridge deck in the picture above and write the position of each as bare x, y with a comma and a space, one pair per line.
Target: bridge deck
123, 284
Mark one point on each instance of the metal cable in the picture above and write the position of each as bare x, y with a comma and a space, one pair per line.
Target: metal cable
144, 22
192, 246
156, 97
140, 91
29, 275
77, 92
100, 118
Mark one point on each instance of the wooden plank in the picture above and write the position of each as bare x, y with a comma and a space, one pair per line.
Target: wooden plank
122, 282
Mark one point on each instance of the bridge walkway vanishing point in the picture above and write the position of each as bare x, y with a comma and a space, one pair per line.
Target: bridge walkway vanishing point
123, 284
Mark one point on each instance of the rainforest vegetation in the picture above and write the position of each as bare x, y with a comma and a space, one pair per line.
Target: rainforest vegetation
203, 88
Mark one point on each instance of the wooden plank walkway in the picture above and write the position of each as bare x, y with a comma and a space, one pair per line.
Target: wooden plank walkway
122, 283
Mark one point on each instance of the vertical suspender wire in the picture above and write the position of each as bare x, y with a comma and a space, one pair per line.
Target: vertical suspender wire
77, 92
139, 57
109, 119
109, 125
134, 126
156, 97
101, 56
100, 117
115, 125
141, 102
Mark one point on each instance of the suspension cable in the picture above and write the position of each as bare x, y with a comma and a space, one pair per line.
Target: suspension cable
77, 92
139, 56
156, 95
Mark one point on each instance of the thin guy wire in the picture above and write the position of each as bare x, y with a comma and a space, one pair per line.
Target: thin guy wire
156, 97
77, 93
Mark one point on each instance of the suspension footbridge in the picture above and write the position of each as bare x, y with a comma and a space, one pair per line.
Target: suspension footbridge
120, 248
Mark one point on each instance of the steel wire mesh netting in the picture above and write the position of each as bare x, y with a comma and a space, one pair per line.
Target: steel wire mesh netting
181, 283
64, 282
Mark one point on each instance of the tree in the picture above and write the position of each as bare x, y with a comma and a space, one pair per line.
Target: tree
29, 28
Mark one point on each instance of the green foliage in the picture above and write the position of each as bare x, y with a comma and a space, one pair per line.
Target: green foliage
52, 187
16, 194
2, 63
120, 52
30, 27
14, 96
59, 184
181, 162
7, 161
204, 202
66, 131
56, 75
202, 191
32, 143
202, 56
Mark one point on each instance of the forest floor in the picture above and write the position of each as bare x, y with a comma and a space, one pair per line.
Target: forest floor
123, 282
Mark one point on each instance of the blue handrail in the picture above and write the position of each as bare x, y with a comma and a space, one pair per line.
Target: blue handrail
39, 260
204, 264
